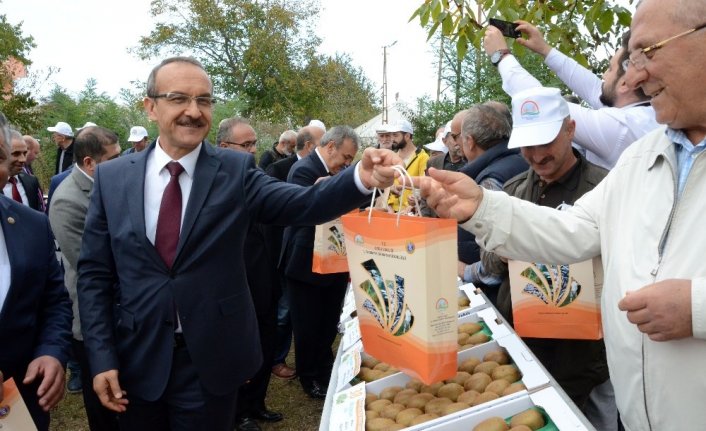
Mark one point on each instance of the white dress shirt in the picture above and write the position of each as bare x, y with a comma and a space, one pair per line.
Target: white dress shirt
7, 190
156, 180
603, 131
356, 174
5, 270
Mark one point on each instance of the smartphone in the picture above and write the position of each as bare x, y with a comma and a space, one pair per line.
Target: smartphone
507, 28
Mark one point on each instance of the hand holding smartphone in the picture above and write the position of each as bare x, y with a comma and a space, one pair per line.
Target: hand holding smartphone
507, 28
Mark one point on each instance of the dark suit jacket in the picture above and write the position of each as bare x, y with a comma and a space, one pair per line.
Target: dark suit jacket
135, 333
35, 319
280, 169
68, 158
31, 186
298, 241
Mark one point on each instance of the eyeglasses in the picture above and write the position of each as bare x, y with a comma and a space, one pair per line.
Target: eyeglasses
178, 99
640, 57
248, 145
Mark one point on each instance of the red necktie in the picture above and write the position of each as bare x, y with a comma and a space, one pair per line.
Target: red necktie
169, 219
15, 191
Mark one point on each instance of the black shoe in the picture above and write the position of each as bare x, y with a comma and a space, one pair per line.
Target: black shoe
245, 423
263, 414
314, 389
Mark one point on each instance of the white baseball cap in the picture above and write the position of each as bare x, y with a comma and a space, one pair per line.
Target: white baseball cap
318, 123
137, 133
382, 128
402, 126
537, 115
62, 129
88, 124
437, 145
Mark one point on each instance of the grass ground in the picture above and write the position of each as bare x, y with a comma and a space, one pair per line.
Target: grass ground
301, 413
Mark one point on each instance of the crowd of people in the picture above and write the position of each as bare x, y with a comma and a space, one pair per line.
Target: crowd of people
185, 268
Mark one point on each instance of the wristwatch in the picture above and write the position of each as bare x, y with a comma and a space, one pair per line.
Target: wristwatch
498, 55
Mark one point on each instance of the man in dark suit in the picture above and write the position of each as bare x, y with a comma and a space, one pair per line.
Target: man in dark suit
315, 299
21, 187
93, 145
166, 313
35, 309
308, 138
236, 134
63, 137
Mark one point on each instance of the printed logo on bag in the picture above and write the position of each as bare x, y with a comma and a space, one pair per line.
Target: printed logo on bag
4, 410
529, 110
442, 305
337, 243
410, 247
552, 284
385, 300
358, 239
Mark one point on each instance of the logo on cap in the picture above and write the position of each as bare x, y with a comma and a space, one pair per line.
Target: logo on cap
529, 110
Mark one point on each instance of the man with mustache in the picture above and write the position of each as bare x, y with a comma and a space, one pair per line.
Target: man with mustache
168, 322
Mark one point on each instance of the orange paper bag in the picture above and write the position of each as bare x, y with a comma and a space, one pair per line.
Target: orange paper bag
14, 415
329, 249
557, 301
403, 273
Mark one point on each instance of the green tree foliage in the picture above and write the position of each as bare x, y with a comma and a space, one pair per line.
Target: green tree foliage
18, 106
261, 52
576, 27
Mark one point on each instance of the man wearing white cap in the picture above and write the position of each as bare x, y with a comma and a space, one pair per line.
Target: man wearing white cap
558, 174
88, 124
452, 158
63, 137
384, 136
415, 159
437, 147
139, 138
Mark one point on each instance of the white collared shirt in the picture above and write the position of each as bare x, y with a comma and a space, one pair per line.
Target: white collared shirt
356, 175
5, 270
7, 190
156, 180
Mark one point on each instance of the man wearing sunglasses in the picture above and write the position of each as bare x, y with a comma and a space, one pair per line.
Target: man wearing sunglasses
618, 115
645, 219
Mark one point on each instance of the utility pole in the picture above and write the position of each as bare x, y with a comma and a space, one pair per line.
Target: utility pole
441, 60
384, 81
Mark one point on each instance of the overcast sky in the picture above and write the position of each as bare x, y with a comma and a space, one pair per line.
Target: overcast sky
89, 39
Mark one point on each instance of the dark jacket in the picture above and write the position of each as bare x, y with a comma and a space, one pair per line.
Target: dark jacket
270, 156
497, 163
68, 158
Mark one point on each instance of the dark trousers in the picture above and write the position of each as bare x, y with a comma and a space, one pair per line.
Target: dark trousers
252, 394
315, 312
29, 395
184, 406
99, 418
284, 326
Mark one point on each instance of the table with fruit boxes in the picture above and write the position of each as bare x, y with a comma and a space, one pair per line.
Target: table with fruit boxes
499, 385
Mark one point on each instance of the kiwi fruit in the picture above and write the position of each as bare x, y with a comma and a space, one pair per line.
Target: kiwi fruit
369, 362
521, 428
381, 366
470, 327
390, 411
389, 393
462, 338
477, 382
378, 405
478, 338
369, 398
484, 398
415, 384
371, 414
394, 427
465, 347
426, 417
498, 356
497, 386
469, 365
506, 372
453, 408
378, 424
467, 397
460, 377
419, 401
492, 424
450, 391
463, 301
437, 405
486, 367
431, 389
402, 396
530, 417
514, 387
405, 416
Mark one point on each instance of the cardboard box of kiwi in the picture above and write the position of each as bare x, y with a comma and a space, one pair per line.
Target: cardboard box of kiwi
470, 300
489, 375
554, 414
473, 330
